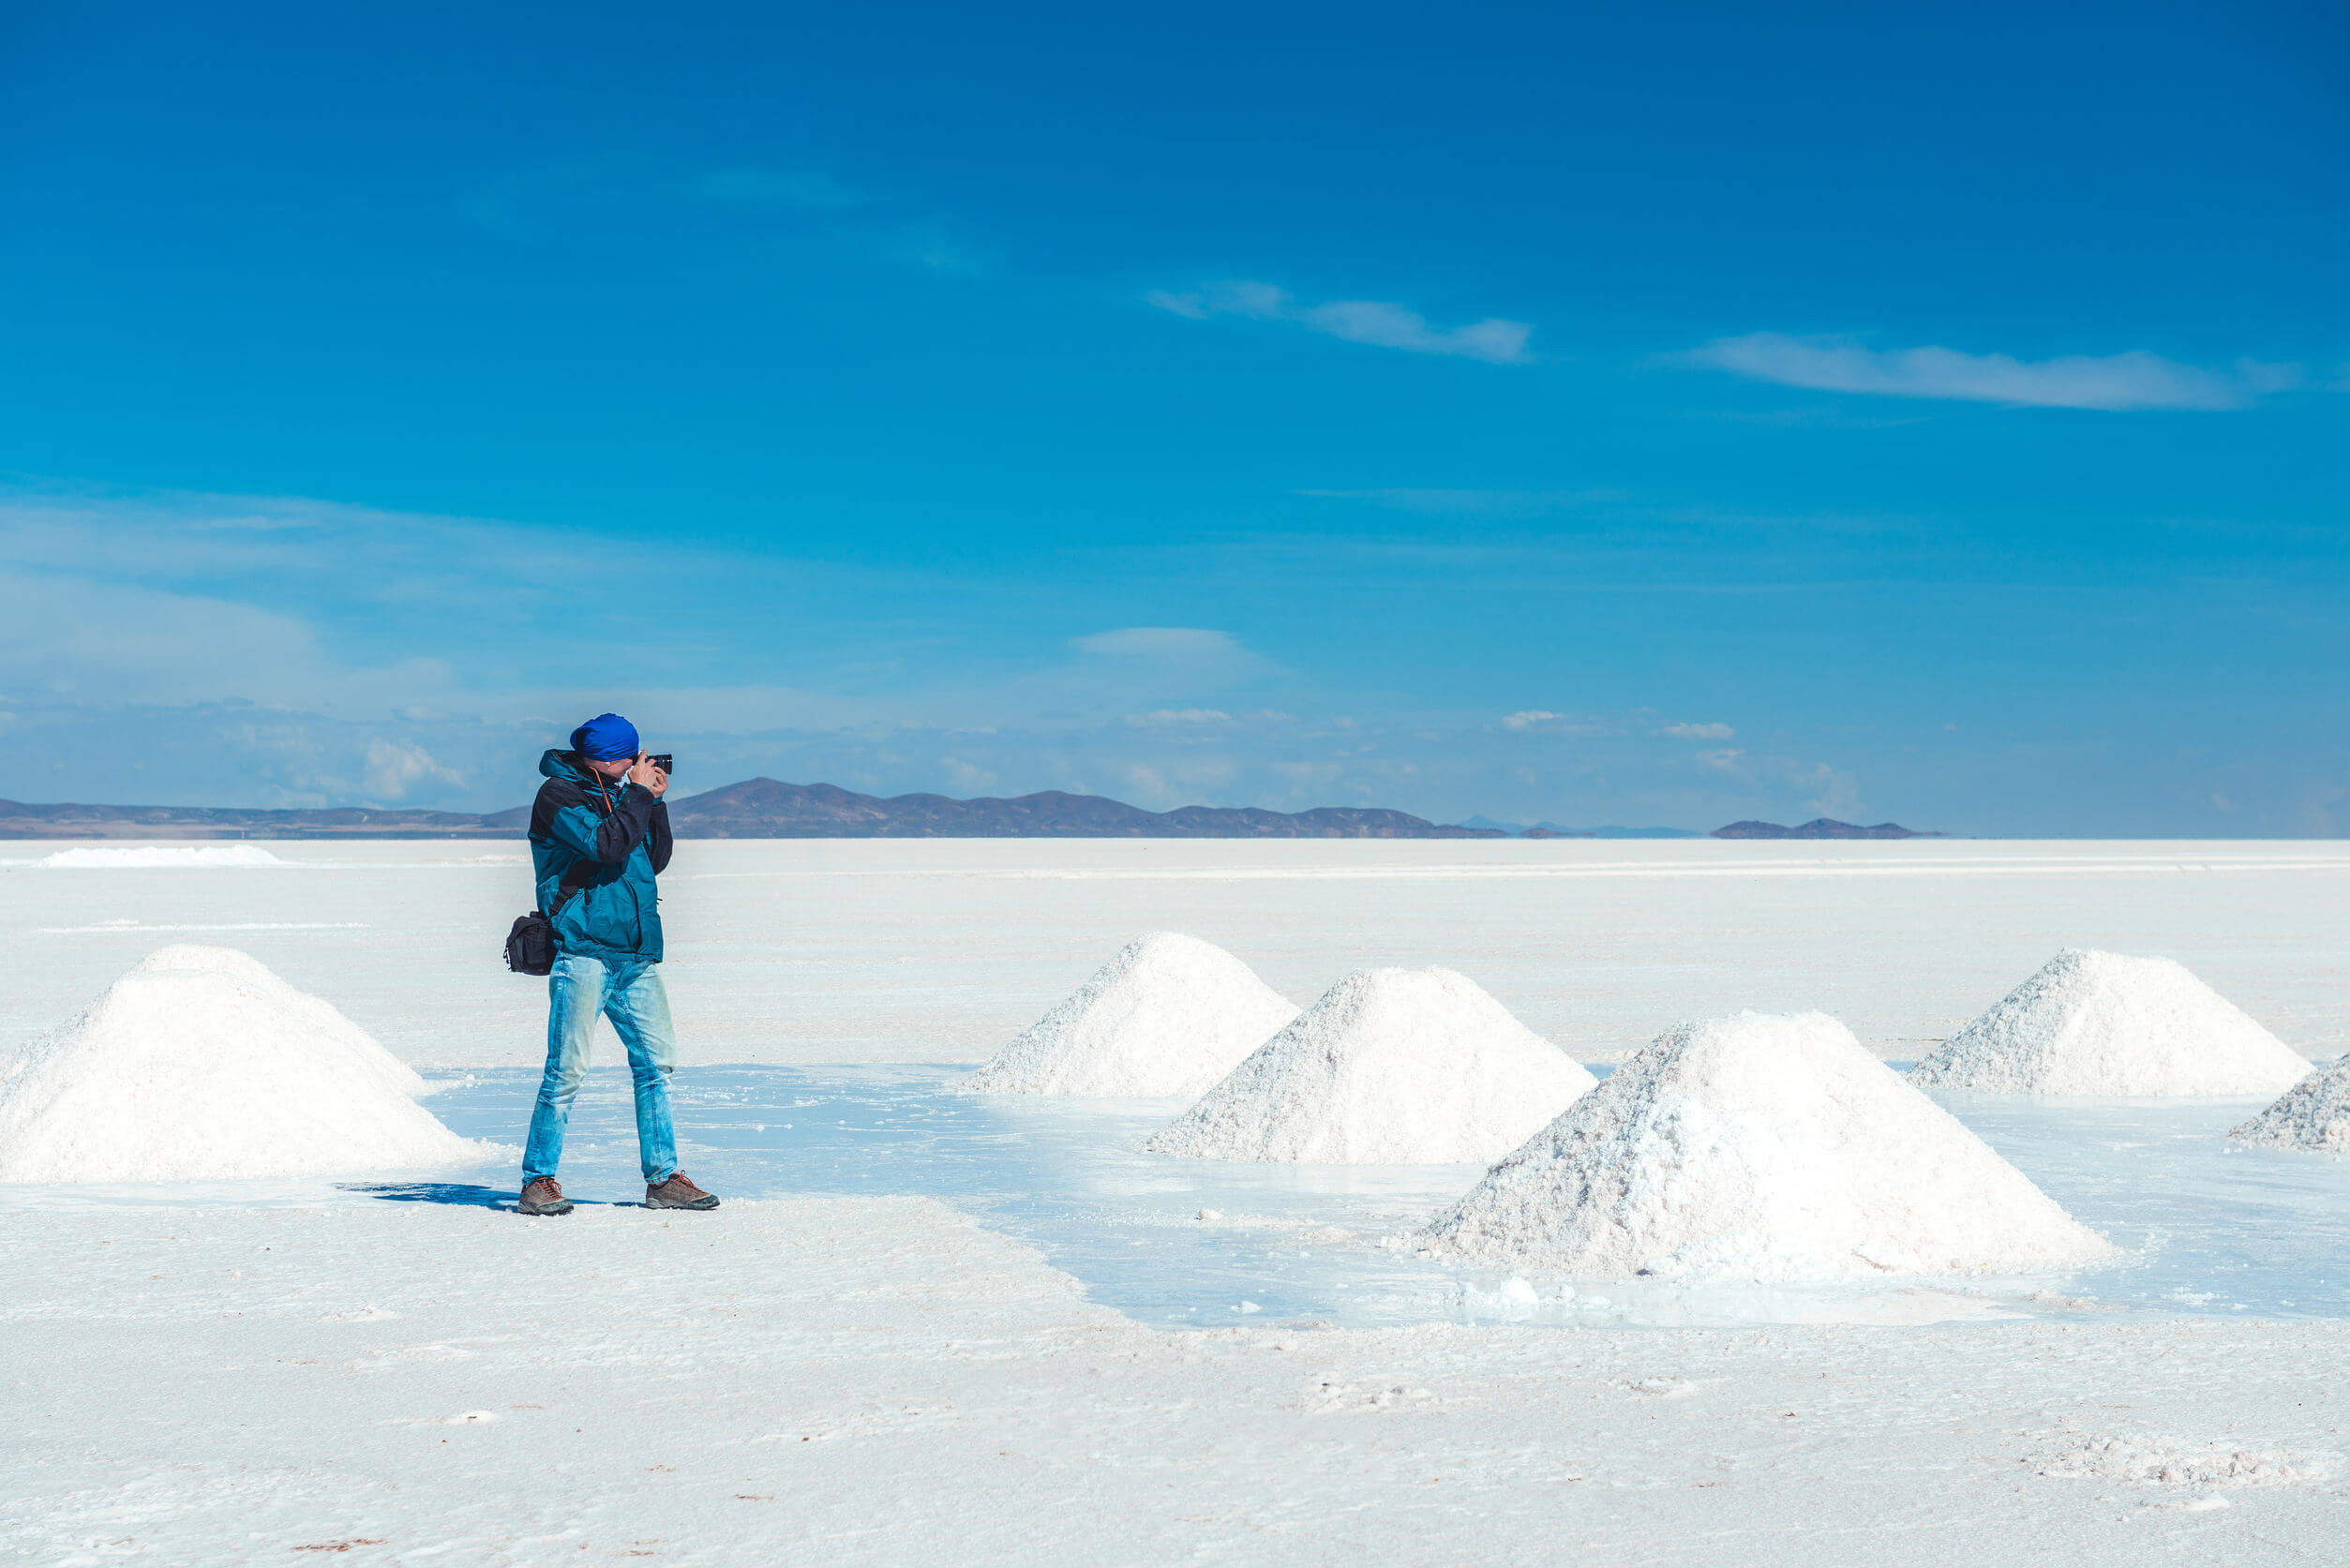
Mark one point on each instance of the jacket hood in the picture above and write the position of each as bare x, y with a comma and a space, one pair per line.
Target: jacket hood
560, 764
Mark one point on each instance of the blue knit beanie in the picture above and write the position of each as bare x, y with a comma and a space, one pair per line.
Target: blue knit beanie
605, 737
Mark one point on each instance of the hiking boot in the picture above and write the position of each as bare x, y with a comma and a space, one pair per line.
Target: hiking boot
542, 1195
678, 1192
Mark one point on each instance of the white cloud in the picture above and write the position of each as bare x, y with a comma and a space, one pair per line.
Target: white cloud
1834, 792
1696, 732
967, 775
394, 766
1543, 721
1378, 322
2136, 380
1181, 716
1159, 642
1729, 760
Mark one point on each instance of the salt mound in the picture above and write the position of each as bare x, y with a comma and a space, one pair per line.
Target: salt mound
146, 856
1391, 1067
1169, 1015
2315, 1114
317, 1011
195, 1067
1760, 1147
2103, 1023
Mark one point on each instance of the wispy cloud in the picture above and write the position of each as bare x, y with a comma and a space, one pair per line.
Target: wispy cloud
1378, 322
1542, 721
1160, 642
2137, 379
1695, 732
1476, 503
1181, 716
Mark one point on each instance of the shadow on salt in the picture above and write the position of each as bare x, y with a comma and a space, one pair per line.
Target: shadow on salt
2214, 1228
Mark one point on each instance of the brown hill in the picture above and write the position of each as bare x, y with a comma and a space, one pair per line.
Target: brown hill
70, 821
765, 807
1819, 827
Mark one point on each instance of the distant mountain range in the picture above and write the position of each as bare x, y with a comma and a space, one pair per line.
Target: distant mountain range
763, 809
754, 809
1820, 828
1560, 830
767, 809
21, 821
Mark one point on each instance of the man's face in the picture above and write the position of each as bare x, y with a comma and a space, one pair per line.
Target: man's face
615, 769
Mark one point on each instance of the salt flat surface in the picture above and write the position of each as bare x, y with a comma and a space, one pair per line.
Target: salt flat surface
2209, 1227
835, 951
931, 1327
158, 857
877, 1381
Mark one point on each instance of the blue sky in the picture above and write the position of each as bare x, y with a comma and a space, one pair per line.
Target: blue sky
1602, 414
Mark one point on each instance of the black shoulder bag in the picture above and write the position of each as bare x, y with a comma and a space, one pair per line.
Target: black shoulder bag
531, 945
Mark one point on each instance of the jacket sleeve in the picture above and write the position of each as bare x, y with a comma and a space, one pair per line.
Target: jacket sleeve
657, 840
611, 839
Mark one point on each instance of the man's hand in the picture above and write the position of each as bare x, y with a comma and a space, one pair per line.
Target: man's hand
646, 776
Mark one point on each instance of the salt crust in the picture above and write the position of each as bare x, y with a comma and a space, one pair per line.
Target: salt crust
2315, 1114
1760, 1147
148, 857
1391, 1067
2154, 1461
2105, 1024
200, 1064
1169, 1015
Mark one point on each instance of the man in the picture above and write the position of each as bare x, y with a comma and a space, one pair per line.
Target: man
599, 836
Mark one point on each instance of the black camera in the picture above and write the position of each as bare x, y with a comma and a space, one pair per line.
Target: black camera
662, 761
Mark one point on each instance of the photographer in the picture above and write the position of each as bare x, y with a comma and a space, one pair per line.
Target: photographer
598, 837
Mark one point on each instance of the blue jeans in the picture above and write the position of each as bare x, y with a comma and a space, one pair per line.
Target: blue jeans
633, 998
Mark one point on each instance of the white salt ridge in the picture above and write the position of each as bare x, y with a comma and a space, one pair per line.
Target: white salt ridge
1760, 1147
2315, 1114
2105, 1024
1391, 1067
1169, 1015
145, 856
201, 1065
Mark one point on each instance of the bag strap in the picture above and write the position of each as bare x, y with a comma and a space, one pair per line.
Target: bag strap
577, 877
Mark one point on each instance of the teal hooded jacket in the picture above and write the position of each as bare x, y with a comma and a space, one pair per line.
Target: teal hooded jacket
609, 842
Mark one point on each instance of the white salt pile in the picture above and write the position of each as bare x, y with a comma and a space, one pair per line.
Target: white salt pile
1169, 1015
201, 1063
2315, 1114
148, 857
1765, 1148
2103, 1023
1391, 1067
368, 1055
